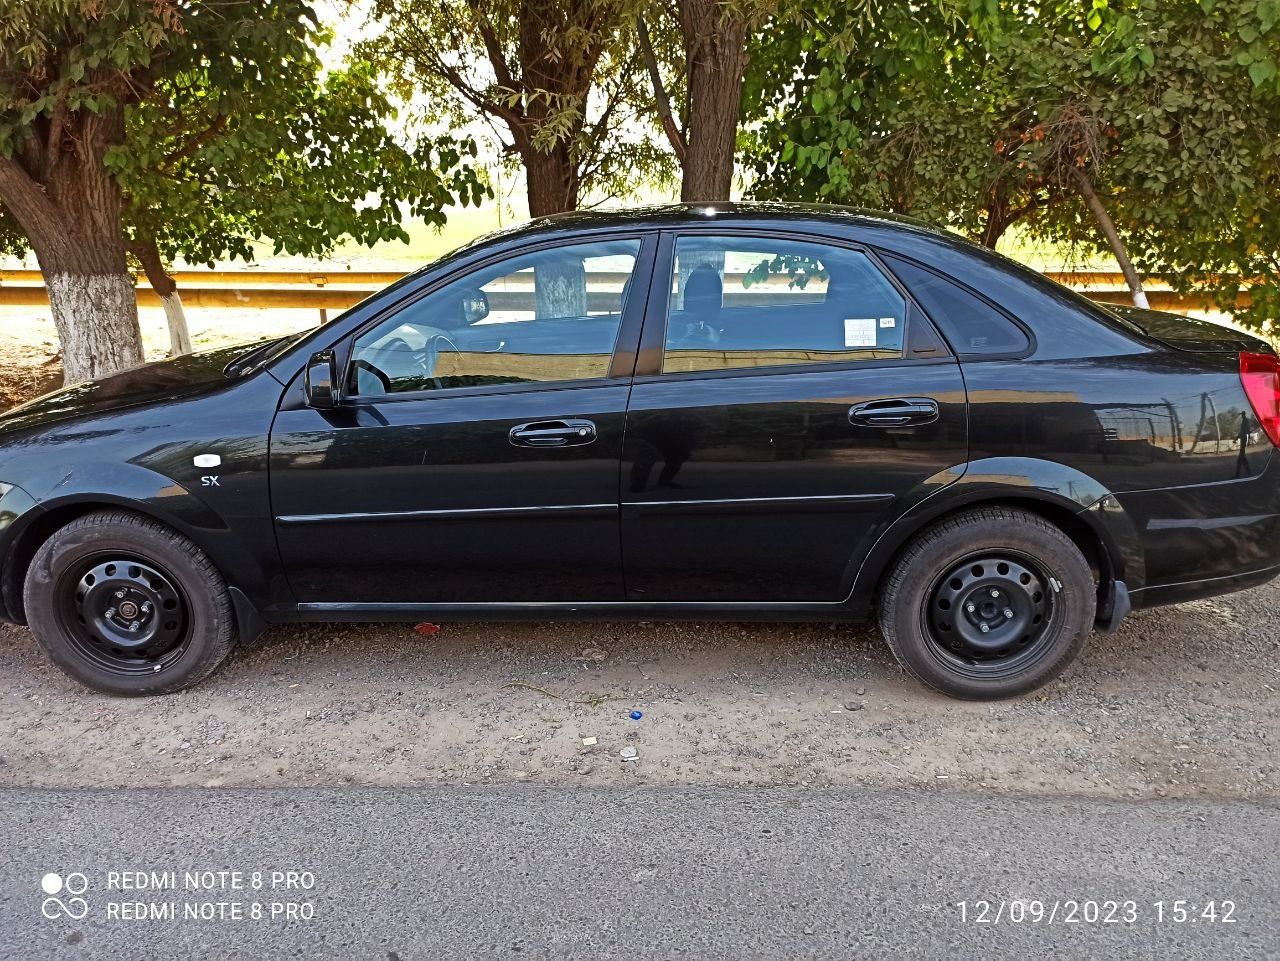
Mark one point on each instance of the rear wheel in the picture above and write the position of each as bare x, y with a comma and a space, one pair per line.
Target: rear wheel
127, 606
990, 603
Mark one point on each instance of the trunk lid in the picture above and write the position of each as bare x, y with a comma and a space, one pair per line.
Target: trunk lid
1188, 333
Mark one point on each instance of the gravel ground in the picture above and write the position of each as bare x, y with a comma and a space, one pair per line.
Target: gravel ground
1181, 703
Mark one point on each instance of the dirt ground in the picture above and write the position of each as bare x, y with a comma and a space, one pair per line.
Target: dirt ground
1181, 703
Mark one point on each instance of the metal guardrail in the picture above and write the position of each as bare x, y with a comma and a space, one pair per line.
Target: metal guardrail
339, 289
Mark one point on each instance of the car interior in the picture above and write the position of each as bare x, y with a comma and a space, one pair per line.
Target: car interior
793, 304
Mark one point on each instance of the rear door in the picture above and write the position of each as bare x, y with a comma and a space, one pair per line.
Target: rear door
474, 458
786, 403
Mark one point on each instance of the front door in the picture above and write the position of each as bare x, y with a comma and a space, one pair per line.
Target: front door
475, 456
786, 413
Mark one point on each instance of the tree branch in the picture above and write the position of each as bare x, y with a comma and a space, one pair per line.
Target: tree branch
218, 125
38, 216
1109, 230
494, 49
660, 99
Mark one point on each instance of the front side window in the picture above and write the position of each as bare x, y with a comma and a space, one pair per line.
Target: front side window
548, 315
739, 302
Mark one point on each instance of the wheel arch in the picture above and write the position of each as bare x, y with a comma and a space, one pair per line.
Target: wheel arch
33, 530
1082, 508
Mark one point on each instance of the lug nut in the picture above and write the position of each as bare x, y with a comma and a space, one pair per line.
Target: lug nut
1008, 612
135, 625
120, 593
111, 612
983, 628
970, 608
146, 608
994, 592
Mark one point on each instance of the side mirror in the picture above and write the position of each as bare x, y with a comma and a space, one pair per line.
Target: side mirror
321, 380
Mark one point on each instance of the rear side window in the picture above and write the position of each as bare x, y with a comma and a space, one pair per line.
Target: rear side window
740, 302
969, 323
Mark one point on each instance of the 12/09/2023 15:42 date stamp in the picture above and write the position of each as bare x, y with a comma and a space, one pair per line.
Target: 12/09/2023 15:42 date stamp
1096, 911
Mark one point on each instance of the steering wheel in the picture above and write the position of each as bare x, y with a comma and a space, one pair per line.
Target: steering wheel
429, 359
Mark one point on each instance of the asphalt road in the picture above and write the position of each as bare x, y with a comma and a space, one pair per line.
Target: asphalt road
543, 872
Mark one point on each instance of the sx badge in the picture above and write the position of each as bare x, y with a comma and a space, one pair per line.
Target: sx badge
208, 460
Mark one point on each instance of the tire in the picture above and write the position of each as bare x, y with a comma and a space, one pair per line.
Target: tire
1010, 570
127, 606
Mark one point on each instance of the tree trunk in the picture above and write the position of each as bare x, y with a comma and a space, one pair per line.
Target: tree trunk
1108, 228
167, 289
176, 317
69, 207
998, 221
716, 59
561, 288
96, 315
551, 180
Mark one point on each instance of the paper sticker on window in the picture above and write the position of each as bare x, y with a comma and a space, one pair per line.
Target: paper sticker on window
888, 322
859, 332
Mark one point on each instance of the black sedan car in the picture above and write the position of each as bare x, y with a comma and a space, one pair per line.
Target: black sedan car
717, 412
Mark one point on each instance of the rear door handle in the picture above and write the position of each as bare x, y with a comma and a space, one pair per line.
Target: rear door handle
553, 433
894, 412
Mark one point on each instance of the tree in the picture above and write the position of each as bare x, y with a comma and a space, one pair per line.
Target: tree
68, 70
87, 91
1192, 178
709, 64
888, 108
1137, 126
286, 153
555, 80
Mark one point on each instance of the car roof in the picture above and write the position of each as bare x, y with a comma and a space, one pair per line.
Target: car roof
682, 214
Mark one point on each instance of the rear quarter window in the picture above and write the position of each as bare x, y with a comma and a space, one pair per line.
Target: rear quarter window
972, 326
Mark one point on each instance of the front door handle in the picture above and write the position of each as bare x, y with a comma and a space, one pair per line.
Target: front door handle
894, 412
553, 433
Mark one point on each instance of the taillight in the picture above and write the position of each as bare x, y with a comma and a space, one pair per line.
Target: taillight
1260, 375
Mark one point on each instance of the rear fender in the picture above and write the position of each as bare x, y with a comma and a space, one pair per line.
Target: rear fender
1043, 486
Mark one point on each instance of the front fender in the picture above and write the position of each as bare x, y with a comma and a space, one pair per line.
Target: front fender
1045, 484
94, 485
15, 503
17, 507
134, 486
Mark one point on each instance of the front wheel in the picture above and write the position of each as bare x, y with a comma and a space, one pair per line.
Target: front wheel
990, 603
127, 606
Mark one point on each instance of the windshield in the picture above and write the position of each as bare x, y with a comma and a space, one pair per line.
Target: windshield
255, 355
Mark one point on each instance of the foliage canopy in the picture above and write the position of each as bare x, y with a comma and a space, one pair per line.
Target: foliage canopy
978, 116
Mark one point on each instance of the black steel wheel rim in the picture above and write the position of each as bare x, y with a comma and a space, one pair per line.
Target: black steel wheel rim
991, 614
124, 614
